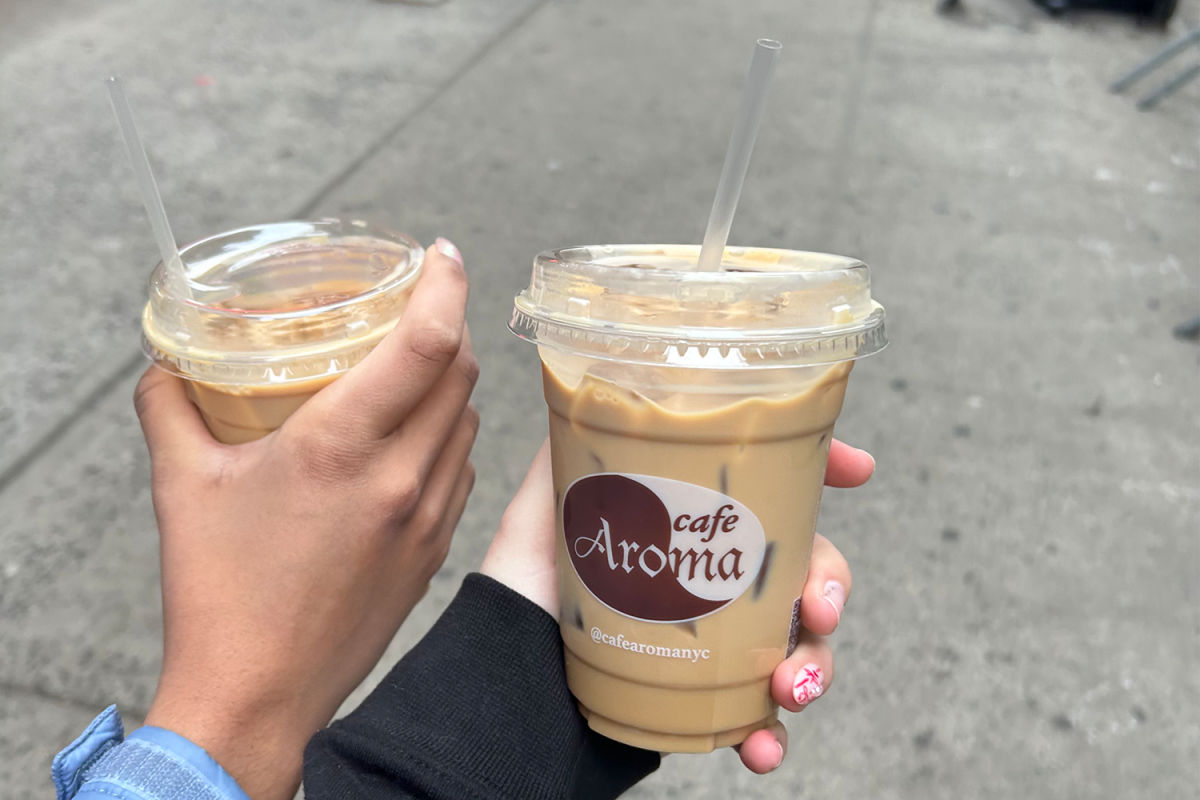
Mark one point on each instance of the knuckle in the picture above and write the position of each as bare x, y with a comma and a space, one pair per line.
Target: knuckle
436, 342
426, 522
471, 418
401, 497
467, 481
468, 365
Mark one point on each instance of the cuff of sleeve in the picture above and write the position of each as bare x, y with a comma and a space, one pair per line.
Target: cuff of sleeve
151, 764
480, 707
67, 770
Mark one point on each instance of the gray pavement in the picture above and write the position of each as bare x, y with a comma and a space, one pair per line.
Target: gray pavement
1026, 613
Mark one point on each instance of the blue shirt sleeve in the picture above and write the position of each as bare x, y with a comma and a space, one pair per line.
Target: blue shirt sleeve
150, 764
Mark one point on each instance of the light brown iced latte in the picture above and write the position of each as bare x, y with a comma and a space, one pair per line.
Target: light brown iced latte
282, 311
690, 422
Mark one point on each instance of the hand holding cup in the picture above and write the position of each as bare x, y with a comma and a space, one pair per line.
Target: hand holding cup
289, 562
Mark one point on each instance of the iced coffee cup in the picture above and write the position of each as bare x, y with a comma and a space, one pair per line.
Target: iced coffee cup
277, 312
691, 415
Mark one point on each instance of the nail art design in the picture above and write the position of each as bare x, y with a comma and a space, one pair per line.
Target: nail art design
835, 594
808, 685
447, 248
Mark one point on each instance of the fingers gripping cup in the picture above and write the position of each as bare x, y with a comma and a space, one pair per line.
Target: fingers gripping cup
278, 312
691, 415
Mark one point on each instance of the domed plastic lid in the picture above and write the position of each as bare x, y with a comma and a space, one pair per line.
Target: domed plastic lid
281, 302
648, 304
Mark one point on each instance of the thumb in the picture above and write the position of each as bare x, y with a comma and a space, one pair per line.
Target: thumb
170, 422
522, 554
527, 529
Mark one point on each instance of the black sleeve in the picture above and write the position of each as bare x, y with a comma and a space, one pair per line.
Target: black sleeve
478, 710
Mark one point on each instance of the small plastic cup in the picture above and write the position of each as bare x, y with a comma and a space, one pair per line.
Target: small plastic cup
691, 415
299, 304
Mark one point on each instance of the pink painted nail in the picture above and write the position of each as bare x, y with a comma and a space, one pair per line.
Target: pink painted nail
808, 684
835, 595
447, 248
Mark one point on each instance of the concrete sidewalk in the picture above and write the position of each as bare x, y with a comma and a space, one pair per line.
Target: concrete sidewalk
1025, 618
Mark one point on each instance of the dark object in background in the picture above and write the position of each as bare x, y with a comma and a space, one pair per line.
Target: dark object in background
1188, 331
1151, 12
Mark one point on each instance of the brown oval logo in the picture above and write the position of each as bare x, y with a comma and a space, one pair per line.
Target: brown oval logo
660, 550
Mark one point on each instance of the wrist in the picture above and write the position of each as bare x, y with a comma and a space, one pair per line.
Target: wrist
536, 582
257, 742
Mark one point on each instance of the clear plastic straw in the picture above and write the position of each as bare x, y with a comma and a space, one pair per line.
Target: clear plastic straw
737, 158
177, 282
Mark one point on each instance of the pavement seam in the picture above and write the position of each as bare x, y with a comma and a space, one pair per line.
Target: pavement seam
42, 445
479, 55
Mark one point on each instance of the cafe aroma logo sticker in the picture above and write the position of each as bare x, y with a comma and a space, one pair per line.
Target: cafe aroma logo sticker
660, 550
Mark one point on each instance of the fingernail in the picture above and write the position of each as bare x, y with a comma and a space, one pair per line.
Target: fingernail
835, 595
779, 744
872, 460
447, 248
808, 684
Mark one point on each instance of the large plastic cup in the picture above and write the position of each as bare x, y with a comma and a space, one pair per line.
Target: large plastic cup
690, 420
292, 306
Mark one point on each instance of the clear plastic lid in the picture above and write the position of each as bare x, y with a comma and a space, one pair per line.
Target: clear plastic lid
647, 304
281, 302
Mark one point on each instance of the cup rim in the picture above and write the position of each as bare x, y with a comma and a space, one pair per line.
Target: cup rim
561, 256
834, 317
365, 229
